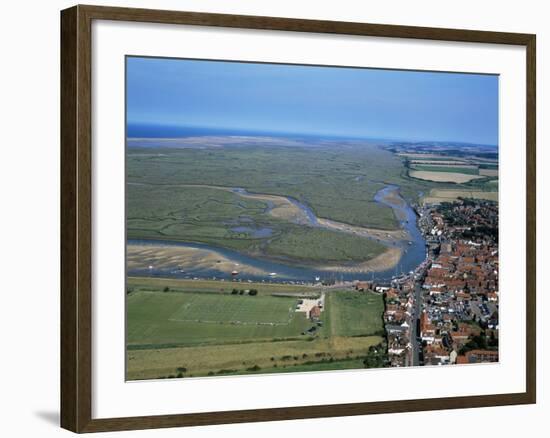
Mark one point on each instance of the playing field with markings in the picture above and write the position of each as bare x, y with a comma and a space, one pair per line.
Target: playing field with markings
199, 318
235, 309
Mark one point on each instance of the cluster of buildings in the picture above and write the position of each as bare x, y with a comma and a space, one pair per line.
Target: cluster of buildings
446, 312
459, 320
400, 312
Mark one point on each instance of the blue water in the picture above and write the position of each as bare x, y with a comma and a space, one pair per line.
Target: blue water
413, 255
415, 251
312, 219
254, 232
134, 130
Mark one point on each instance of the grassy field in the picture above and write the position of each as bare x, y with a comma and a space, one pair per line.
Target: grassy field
245, 358
182, 285
355, 314
187, 318
205, 329
320, 245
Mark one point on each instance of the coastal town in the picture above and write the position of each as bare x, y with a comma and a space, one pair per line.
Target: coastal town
446, 311
292, 234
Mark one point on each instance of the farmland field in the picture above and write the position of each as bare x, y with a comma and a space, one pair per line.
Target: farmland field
438, 196
488, 172
467, 169
436, 176
245, 358
194, 325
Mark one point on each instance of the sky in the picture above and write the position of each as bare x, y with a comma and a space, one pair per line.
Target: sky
330, 101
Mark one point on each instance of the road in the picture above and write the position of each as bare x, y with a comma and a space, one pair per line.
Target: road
415, 320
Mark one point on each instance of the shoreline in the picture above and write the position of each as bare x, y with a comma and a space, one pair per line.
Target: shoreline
145, 256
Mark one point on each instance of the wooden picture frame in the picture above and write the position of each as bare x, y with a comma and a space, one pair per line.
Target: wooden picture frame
76, 217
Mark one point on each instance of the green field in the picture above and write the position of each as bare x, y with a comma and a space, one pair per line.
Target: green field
353, 314
182, 285
190, 325
319, 245
235, 309
176, 318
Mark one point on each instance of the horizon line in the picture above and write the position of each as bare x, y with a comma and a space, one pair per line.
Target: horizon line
289, 134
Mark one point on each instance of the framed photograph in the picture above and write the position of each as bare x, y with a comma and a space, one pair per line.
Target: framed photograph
270, 218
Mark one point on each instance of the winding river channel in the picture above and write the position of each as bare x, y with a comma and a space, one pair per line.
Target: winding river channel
413, 249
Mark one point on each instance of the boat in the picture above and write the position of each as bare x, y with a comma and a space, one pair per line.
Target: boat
235, 273
272, 274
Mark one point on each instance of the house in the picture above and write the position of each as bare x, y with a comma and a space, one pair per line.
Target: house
363, 286
315, 313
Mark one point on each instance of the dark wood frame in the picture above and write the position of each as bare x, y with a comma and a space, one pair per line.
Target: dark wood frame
76, 174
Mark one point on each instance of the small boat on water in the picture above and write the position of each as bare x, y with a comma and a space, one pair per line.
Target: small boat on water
272, 274
235, 273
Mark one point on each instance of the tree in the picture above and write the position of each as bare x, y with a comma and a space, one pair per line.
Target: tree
253, 292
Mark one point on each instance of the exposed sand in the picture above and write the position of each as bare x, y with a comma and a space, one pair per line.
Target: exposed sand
417, 155
443, 176
184, 258
387, 260
158, 256
440, 162
383, 235
211, 141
